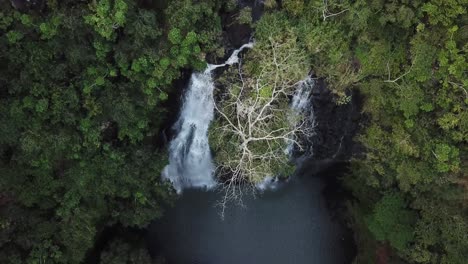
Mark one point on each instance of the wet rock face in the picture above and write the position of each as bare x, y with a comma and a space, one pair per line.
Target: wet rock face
234, 34
336, 125
237, 34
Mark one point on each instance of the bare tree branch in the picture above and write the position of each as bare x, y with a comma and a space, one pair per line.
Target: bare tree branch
326, 13
254, 117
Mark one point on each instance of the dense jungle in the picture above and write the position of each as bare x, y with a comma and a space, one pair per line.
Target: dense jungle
90, 91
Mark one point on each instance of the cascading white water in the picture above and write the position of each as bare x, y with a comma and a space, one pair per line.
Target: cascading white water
301, 100
190, 161
233, 59
301, 105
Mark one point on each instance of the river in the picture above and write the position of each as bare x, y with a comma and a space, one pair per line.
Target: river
288, 225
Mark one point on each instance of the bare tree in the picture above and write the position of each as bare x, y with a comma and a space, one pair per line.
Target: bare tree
326, 12
395, 81
255, 120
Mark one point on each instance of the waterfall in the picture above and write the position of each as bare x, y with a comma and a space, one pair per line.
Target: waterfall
190, 161
301, 100
233, 59
301, 105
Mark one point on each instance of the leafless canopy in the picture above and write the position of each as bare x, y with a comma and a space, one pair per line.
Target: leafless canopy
254, 121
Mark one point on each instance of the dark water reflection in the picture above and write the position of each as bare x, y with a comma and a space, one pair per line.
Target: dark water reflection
288, 225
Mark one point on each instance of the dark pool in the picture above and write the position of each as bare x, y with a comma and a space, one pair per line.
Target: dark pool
288, 225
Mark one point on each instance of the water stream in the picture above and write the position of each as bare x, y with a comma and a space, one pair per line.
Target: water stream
287, 222
301, 106
190, 161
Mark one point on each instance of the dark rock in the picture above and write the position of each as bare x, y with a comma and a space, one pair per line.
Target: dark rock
238, 34
19, 4
173, 104
336, 125
25, 5
234, 34
333, 145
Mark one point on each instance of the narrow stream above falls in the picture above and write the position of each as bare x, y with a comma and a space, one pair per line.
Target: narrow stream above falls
290, 225
190, 162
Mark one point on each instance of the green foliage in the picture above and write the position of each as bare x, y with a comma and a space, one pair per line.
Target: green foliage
82, 92
447, 158
392, 221
414, 137
259, 105
83, 86
444, 12
408, 59
245, 16
270, 4
14, 36
126, 252
174, 36
48, 29
443, 227
187, 15
108, 16
294, 7
230, 5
